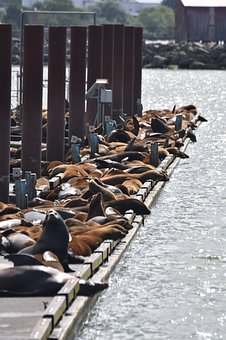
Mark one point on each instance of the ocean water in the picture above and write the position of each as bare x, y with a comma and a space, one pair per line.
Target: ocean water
171, 283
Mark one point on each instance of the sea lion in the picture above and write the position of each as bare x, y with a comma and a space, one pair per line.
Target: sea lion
96, 186
46, 281
54, 238
143, 177
16, 241
96, 207
128, 155
128, 204
120, 136
8, 208
107, 163
133, 185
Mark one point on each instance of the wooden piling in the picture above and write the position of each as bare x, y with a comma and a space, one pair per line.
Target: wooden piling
56, 93
5, 100
32, 98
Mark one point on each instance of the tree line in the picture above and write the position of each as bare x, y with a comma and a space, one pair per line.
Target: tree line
157, 21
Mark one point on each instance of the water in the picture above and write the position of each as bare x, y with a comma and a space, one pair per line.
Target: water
171, 283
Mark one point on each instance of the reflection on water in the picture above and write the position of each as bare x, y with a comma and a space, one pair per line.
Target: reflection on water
171, 283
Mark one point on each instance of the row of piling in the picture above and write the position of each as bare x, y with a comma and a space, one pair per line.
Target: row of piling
112, 52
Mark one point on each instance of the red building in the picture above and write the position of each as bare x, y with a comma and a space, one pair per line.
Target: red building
200, 20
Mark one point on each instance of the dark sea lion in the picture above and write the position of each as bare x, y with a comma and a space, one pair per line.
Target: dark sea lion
137, 169
29, 277
75, 202
120, 136
107, 163
128, 155
96, 207
54, 238
159, 126
112, 188
175, 151
95, 187
129, 204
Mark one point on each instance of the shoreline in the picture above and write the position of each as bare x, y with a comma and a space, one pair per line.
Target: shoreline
187, 55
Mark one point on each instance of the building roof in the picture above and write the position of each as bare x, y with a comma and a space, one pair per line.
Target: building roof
204, 3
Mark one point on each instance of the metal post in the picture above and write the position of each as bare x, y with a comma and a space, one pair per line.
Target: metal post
178, 123
154, 154
137, 80
94, 144
118, 71
31, 182
110, 125
77, 82
21, 193
5, 100
56, 93
32, 99
75, 149
107, 60
94, 67
128, 71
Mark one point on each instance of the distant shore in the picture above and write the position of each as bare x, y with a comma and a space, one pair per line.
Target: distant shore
157, 54
191, 55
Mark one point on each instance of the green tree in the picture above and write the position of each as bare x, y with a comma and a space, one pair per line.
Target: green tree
12, 16
55, 5
110, 12
56, 19
158, 22
169, 3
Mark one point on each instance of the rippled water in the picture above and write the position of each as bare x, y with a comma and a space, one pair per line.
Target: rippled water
171, 283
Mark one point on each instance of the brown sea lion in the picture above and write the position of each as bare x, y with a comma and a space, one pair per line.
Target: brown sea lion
8, 208
143, 177
95, 187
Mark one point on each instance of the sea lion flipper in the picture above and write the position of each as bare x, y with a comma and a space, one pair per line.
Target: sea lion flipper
66, 267
75, 259
89, 288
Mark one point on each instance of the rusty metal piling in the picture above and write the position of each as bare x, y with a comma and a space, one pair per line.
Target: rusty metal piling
118, 70
56, 93
32, 98
5, 100
77, 82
